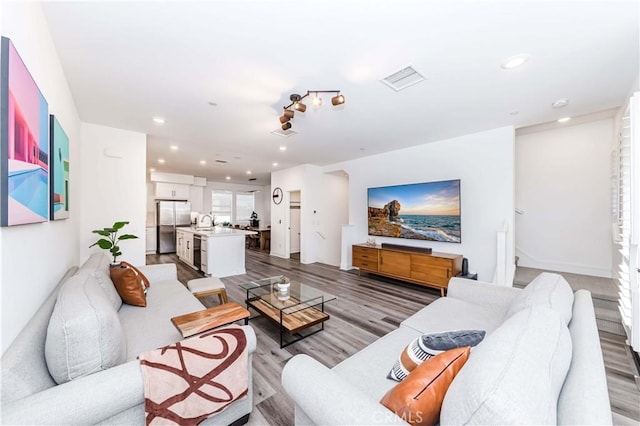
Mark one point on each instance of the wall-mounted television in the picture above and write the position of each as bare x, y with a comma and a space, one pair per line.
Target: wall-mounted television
422, 211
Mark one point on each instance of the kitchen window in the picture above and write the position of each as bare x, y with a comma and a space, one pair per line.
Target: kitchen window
221, 206
245, 205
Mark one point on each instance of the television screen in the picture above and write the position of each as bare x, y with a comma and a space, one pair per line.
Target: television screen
422, 211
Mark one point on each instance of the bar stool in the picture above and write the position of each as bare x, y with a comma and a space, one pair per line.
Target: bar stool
202, 287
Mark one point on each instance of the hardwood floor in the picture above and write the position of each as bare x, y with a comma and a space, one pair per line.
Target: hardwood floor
366, 309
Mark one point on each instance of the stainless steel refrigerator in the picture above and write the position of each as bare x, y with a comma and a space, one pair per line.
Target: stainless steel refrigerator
169, 216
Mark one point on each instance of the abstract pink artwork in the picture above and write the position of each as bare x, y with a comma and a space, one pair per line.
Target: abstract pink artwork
24, 147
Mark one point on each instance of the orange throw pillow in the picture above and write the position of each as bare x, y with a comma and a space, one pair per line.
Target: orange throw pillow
418, 398
130, 284
145, 281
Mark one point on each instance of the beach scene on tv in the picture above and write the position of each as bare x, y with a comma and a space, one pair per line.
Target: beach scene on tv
422, 211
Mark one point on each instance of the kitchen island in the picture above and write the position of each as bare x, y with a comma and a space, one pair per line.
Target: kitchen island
216, 251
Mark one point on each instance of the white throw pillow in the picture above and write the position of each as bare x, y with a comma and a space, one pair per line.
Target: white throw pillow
84, 333
98, 266
547, 289
515, 375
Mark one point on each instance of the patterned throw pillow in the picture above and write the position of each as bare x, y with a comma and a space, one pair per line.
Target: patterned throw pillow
428, 345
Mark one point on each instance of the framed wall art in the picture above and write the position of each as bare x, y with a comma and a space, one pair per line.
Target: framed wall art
24, 143
58, 171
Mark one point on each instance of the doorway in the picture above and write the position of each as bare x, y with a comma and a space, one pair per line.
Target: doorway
294, 223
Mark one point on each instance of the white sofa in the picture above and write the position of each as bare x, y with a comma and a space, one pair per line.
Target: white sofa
531, 368
114, 395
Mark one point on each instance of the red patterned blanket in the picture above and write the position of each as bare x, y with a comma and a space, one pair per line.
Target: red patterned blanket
188, 381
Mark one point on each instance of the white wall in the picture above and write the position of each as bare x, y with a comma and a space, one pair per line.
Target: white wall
484, 162
113, 187
293, 179
563, 186
34, 257
332, 217
323, 211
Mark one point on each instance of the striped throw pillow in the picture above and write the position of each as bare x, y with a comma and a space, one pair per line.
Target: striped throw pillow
429, 345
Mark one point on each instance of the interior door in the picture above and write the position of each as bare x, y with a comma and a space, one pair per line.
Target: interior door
294, 229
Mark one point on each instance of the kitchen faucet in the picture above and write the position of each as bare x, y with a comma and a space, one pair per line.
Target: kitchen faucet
202, 221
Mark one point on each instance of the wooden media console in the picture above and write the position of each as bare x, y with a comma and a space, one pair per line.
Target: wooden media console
428, 269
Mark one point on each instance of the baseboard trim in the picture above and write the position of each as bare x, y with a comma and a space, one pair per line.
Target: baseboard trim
529, 261
635, 360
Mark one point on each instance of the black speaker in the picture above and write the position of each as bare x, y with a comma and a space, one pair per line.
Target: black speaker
406, 248
465, 266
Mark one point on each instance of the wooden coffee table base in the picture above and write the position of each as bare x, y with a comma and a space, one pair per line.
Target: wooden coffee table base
207, 319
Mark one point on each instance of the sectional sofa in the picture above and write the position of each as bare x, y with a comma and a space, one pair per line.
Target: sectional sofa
101, 335
540, 362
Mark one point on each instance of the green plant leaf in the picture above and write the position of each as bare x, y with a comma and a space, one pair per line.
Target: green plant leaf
114, 249
101, 232
119, 225
104, 244
127, 237
110, 230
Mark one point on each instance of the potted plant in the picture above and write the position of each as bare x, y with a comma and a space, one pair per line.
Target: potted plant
254, 220
112, 241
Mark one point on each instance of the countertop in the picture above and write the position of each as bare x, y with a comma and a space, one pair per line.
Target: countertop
216, 231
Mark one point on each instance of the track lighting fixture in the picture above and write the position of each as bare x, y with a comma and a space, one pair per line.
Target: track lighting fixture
299, 106
316, 101
337, 100
286, 116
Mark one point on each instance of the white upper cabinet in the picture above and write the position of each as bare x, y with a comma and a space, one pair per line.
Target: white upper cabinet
172, 191
195, 197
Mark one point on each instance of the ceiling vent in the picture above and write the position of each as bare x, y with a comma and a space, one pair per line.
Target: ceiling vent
404, 78
252, 179
222, 161
284, 133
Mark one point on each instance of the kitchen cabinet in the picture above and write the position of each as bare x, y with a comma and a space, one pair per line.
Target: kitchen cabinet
184, 246
222, 250
172, 191
406, 264
204, 260
196, 194
179, 244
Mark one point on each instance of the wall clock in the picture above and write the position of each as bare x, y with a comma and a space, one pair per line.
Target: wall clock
277, 195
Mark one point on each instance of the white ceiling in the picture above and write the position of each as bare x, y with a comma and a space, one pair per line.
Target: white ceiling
127, 62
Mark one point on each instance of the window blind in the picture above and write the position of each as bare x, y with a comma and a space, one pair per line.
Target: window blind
626, 205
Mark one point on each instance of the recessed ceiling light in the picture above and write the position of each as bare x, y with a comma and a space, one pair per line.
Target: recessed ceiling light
203, 162
173, 147
161, 160
152, 169
283, 148
564, 119
158, 120
248, 172
275, 164
514, 61
228, 178
560, 103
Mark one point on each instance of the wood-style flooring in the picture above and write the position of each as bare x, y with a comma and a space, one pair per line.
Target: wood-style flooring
367, 308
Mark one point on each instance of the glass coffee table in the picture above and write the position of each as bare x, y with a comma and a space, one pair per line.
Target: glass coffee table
297, 308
